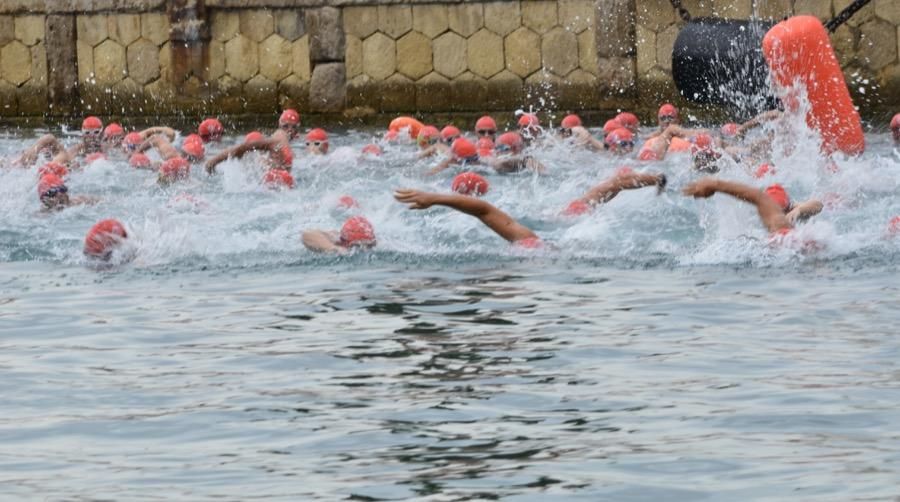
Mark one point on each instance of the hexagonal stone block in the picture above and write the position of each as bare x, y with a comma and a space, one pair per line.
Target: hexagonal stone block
224, 25
655, 14
30, 29
124, 28
360, 21
155, 27
8, 104
257, 24
502, 17
143, 61
129, 95
300, 49
353, 58
293, 93
275, 58
241, 58
394, 20
821, 10
228, 97
616, 73
559, 50
485, 53
587, 51
878, 44
577, 15
290, 24
32, 98
91, 29
398, 94
15, 63
523, 52
430, 19
465, 19
645, 42
109, 62
216, 63
261, 94
734, 9
414, 55
467, 92
39, 65
844, 40
379, 56
7, 30
889, 10
85, 56
431, 92
506, 91
449, 54
665, 42
160, 96
541, 16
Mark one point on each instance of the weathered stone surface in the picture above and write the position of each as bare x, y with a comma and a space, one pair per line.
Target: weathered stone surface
128, 97
92, 29
215, 64
578, 91
166, 70
543, 87
506, 91
143, 61
844, 40
109, 62
485, 53
160, 97
733, 9
241, 58
30, 29
379, 56
576, 15
863, 15
327, 88
353, 57
290, 24
8, 105
414, 55
85, 55
587, 51
878, 44
465, 90
224, 25
32, 98
523, 52
502, 17
774, 9
360, 21
261, 94
646, 49
275, 58
431, 92
617, 74
398, 94
362, 92
155, 27
228, 96
665, 42
465, 19
559, 51
326, 37
15, 63
615, 29
449, 54
430, 19
293, 93
301, 59
256, 24
394, 20
124, 28
39, 65
655, 14
698, 8
7, 32
540, 16
62, 83
889, 10
818, 8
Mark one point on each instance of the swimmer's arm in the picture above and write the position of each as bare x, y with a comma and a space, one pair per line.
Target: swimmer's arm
168, 132
517, 164
498, 221
804, 211
46, 142
162, 145
428, 152
239, 151
769, 212
606, 191
583, 138
321, 241
758, 121
440, 167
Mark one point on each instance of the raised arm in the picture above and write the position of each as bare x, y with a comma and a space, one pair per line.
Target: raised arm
162, 145
769, 212
168, 132
498, 221
239, 151
804, 211
605, 191
46, 142
758, 121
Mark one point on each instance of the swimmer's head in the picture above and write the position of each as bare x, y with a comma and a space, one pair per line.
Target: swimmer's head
253, 136
667, 114
211, 130
486, 126
895, 128
729, 130
464, 151
113, 134
289, 122
484, 146
317, 142
449, 134
620, 141
139, 161
347, 202
529, 125
174, 169
629, 121
357, 231
469, 183
278, 179
103, 238
764, 169
372, 149
778, 194
92, 131
428, 136
611, 125
569, 122
192, 148
510, 142
53, 192
703, 156
132, 141
54, 168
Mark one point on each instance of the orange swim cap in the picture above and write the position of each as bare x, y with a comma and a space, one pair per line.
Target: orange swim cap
54, 168
463, 149
210, 130
484, 146
570, 121
529, 120
428, 135
174, 169
289, 116
113, 130
777, 193
895, 121
357, 231
193, 149
132, 140
702, 142
48, 182
611, 125
347, 202
253, 136
91, 123
894, 226
103, 238
629, 121
317, 135
372, 149
278, 178
486, 123
510, 141
667, 110
139, 161
469, 183
450, 132
619, 137
409, 123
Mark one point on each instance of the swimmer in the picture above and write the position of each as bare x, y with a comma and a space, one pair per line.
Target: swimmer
463, 152
113, 135
895, 128
667, 115
317, 142
507, 160
91, 143
288, 126
104, 238
278, 179
172, 170
619, 142
356, 233
624, 179
571, 127
191, 148
54, 195
280, 155
210, 130
486, 126
469, 183
428, 138
448, 135
133, 140
629, 121
529, 127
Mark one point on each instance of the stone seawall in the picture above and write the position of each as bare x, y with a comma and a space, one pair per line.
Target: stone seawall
362, 57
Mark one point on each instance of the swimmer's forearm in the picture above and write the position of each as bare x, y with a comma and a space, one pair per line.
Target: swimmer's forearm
805, 210
320, 242
168, 132
769, 212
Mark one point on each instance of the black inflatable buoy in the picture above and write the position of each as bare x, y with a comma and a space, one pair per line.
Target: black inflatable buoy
720, 61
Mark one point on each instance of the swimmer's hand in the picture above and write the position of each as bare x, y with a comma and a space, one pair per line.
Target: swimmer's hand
703, 188
415, 198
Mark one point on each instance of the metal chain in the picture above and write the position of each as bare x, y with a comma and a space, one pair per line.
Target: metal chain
845, 14
682, 12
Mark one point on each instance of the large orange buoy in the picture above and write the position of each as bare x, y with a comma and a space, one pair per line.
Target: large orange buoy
409, 123
799, 50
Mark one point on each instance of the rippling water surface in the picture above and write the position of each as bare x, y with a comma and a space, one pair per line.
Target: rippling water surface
662, 351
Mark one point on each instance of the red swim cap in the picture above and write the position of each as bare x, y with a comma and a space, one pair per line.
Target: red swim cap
132, 139
629, 121
139, 161
347, 202
486, 123
484, 146
469, 183
611, 125
48, 182
210, 130
894, 226
103, 238
729, 130
113, 130
427, 135
668, 110
764, 169
777, 193
289, 116
317, 135
372, 149
620, 135
576, 208
702, 141
529, 120
91, 123
253, 136
357, 231
450, 132
570, 121
278, 178
54, 168
511, 141
412, 125
463, 149
895, 122
193, 149
175, 168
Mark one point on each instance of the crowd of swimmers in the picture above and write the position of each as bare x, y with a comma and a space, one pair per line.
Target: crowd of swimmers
485, 150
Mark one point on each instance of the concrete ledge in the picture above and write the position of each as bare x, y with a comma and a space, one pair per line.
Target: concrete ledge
126, 6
